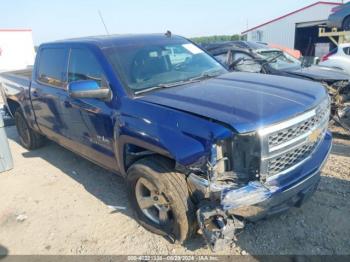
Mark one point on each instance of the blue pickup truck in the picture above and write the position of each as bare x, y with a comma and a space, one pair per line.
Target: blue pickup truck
199, 147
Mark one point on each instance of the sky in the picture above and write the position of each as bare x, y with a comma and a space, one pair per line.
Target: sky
73, 18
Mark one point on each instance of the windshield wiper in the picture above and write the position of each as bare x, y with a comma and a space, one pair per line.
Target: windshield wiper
148, 89
167, 85
204, 75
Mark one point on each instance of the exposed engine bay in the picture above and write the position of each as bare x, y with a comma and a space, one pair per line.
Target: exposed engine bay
340, 102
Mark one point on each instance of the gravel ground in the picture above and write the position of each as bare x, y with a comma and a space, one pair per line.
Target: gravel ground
54, 202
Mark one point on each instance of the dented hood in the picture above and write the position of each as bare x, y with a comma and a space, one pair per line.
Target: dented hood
244, 101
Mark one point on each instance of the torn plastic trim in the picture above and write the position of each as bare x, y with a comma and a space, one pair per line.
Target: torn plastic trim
199, 186
218, 228
231, 198
215, 218
253, 193
218, 225
202, 187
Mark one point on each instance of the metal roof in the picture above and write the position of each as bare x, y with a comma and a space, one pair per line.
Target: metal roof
114, 40
289, 14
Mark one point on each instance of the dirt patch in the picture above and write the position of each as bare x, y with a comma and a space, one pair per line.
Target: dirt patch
71, 206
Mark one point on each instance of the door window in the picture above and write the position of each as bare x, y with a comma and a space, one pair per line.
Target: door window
52, 66
83, 65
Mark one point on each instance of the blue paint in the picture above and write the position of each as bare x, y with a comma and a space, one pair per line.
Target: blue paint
182, 122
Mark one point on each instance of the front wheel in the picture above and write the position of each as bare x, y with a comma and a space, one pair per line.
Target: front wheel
160, 199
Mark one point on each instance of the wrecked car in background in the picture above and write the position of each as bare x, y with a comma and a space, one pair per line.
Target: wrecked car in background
245, 56
196, 144
340, 17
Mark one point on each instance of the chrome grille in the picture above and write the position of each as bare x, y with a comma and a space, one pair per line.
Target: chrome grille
287, 144
285, 161
285, 135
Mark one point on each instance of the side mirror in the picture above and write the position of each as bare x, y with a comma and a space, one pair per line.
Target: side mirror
88, 89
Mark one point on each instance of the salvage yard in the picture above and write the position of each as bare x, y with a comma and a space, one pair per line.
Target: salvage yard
55, 202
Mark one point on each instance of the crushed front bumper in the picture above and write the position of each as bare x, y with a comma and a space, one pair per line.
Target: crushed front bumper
256, 200
276, 203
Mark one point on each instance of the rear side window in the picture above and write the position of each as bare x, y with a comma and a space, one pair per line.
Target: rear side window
84, 66
52, 66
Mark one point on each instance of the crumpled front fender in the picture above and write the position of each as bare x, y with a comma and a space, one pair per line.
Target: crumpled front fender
184, 137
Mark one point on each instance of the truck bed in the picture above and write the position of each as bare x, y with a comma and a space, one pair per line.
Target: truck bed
24, 73
14, 82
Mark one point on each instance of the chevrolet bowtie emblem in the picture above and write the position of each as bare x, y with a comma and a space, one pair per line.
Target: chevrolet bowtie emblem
313, 137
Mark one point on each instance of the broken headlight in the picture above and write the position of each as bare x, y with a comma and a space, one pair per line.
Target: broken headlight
237, 159
233, 163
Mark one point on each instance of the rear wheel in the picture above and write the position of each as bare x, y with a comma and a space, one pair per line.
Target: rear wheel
160, 199
28, 137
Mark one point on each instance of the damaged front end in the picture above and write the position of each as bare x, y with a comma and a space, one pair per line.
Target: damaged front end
339, 92
218, 228
227, 188
250, 176
220, 223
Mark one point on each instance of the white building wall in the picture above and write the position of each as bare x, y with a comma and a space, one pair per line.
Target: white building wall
16, 49
282, 31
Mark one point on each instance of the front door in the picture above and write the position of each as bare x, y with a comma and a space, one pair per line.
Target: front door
89, 121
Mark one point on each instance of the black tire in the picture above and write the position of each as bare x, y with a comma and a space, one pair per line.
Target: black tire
346, 24
172, 186
28, 137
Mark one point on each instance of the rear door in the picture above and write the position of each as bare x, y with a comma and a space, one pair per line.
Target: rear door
48, 89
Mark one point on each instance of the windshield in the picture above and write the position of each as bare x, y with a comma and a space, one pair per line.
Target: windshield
282, 60
146, 66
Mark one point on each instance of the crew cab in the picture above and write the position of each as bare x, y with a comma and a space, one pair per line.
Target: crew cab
197, 145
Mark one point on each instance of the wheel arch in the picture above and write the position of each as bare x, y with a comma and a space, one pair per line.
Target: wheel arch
12, 106
130, 150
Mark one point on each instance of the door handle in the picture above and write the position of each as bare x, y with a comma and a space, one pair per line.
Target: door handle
68, 104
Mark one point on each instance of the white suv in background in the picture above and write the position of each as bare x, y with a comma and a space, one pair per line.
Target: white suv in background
338, 57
